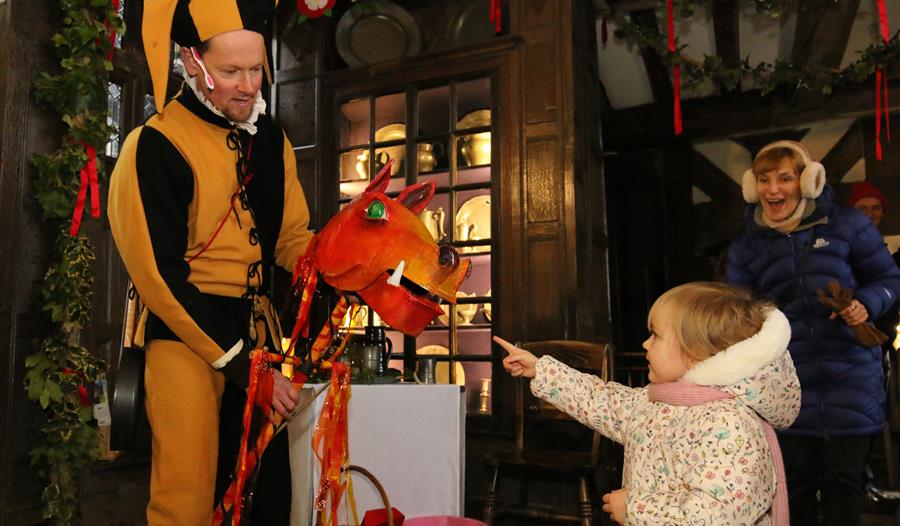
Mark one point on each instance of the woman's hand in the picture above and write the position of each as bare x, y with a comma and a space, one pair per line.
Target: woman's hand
519, 362
854, 314
614, 503
285, 395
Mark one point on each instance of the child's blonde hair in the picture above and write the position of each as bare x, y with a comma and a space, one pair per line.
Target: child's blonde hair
770, 159
708, 317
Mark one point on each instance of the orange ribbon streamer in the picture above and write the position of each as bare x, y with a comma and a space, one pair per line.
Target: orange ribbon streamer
88, 179
330, 442
248, 459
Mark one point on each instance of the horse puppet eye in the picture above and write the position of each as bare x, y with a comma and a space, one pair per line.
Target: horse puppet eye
376, 211
447, 256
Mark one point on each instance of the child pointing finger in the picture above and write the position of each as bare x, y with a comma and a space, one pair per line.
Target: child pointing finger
519, 362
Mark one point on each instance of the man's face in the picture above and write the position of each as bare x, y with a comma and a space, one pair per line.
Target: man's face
871, 206
234, 60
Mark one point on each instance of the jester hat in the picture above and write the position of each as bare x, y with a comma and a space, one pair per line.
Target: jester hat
192, 22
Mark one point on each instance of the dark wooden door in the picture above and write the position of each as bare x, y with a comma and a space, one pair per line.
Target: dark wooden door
650, 245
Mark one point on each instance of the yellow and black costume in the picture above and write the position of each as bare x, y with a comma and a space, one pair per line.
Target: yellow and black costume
201, 209
171, 188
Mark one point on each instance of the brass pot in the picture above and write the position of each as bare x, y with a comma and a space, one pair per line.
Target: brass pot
427, 155
362, 163
476, 148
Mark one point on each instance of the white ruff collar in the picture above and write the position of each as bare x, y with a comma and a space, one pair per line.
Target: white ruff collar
259, 107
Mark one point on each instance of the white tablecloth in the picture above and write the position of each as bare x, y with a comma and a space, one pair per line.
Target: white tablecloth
411, 437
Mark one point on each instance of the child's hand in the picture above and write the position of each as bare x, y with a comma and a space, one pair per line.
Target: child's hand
614, 503
519, 362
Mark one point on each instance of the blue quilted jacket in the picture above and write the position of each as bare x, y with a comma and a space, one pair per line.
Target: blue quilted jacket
842, 382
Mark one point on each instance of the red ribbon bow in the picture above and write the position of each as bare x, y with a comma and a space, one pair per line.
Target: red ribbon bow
88, 178
112, 32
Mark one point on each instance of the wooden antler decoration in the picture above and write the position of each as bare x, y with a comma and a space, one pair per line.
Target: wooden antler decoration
866, 333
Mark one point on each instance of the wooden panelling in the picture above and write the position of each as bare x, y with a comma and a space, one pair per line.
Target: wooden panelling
307, 171
540, 82
545, 308
296, 110
541, 13
543, 184
25, 244
544, 231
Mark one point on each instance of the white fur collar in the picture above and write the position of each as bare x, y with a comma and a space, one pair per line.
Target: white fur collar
259, 107
747, 357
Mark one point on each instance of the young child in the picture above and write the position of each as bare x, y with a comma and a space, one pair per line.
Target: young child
699, 444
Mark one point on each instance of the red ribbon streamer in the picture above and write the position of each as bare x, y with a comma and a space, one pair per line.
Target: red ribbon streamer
495, 15
676, 71
88, 178
112, 33
881, 85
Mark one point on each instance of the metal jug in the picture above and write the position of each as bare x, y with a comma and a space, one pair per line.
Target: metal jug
375, 352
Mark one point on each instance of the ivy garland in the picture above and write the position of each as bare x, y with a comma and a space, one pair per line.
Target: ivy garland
61, 371
767, 76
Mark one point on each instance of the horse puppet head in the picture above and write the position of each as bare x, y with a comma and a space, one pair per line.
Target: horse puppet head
378, 248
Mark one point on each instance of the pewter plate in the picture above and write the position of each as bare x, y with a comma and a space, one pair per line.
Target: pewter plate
472, 25
377, 31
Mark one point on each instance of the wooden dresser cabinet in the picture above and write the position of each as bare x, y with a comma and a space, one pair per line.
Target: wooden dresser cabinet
533, 95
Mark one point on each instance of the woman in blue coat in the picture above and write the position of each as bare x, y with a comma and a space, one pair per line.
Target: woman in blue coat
796, 241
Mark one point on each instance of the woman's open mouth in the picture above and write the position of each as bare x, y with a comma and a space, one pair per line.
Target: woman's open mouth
776, 205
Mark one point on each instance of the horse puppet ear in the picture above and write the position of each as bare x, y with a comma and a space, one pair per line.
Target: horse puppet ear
381, 180
417, 196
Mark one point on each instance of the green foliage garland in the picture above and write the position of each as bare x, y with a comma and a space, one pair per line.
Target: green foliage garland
61, 373
767, 76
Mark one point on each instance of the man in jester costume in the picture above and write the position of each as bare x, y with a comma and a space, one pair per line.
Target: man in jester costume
203, 201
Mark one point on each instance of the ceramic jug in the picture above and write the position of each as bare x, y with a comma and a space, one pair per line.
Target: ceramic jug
375, 351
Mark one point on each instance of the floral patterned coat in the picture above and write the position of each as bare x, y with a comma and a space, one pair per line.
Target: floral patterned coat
699, 465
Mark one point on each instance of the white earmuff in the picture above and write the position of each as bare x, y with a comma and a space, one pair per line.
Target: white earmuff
812, 180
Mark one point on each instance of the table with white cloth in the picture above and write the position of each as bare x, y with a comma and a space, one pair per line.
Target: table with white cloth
411, 437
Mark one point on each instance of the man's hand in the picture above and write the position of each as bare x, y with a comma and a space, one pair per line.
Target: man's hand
285, 395
854, 314
614, 503
519, 362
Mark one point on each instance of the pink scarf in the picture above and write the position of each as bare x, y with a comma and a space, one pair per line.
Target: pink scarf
684, 393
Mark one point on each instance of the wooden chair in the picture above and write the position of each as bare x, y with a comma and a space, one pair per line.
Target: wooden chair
527, 460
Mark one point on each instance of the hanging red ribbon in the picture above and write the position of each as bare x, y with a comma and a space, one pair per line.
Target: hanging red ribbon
88, 178
676, 71
495, 15
111, 32
881, 87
